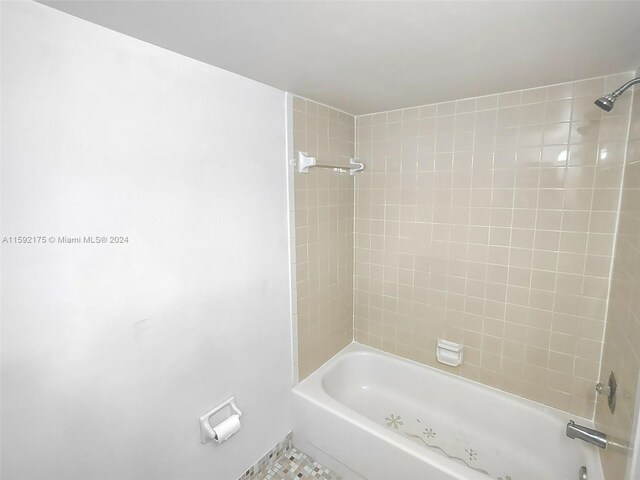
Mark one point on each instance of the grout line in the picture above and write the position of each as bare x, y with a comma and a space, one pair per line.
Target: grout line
356, 152
456, 100
324, 105
291, 235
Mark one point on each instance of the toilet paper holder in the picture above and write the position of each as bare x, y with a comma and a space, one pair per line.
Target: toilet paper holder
207, 433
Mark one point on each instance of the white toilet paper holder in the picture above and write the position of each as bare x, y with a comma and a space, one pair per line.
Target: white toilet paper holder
206, 430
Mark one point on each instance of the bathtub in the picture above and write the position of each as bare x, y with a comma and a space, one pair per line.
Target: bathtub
370, 415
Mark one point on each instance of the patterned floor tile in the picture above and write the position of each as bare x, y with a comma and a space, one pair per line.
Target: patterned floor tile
294, 465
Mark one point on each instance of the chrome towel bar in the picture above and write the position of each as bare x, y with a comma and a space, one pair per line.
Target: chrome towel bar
305, 162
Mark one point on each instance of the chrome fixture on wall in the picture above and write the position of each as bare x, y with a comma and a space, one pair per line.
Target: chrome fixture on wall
305, 162
589, 435
606, 102
609, 391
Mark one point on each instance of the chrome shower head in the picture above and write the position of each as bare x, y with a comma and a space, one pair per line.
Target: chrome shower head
606, 102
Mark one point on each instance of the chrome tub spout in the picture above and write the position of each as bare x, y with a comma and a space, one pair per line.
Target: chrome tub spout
589, 435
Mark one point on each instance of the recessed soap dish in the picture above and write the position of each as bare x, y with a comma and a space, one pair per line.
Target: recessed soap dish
449, 353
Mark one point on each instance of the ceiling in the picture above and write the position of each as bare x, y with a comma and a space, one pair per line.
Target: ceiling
364, 57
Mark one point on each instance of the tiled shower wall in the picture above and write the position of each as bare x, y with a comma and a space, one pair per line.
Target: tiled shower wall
622, 339
324, 210
490, 221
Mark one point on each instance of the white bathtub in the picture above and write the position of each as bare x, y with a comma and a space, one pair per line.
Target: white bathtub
368, 414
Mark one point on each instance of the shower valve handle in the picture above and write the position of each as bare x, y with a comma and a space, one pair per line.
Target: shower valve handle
603, 389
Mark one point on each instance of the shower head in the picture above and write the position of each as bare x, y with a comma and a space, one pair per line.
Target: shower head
606, 102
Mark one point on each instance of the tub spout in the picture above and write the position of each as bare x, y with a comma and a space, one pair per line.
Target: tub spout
589, 435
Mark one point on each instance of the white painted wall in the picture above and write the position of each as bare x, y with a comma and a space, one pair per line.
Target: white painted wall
111, 352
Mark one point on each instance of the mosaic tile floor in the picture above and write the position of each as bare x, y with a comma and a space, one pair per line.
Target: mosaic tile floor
294, 465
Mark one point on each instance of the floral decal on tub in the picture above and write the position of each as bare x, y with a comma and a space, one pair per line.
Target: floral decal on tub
473, 455
429, 433
395, 422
